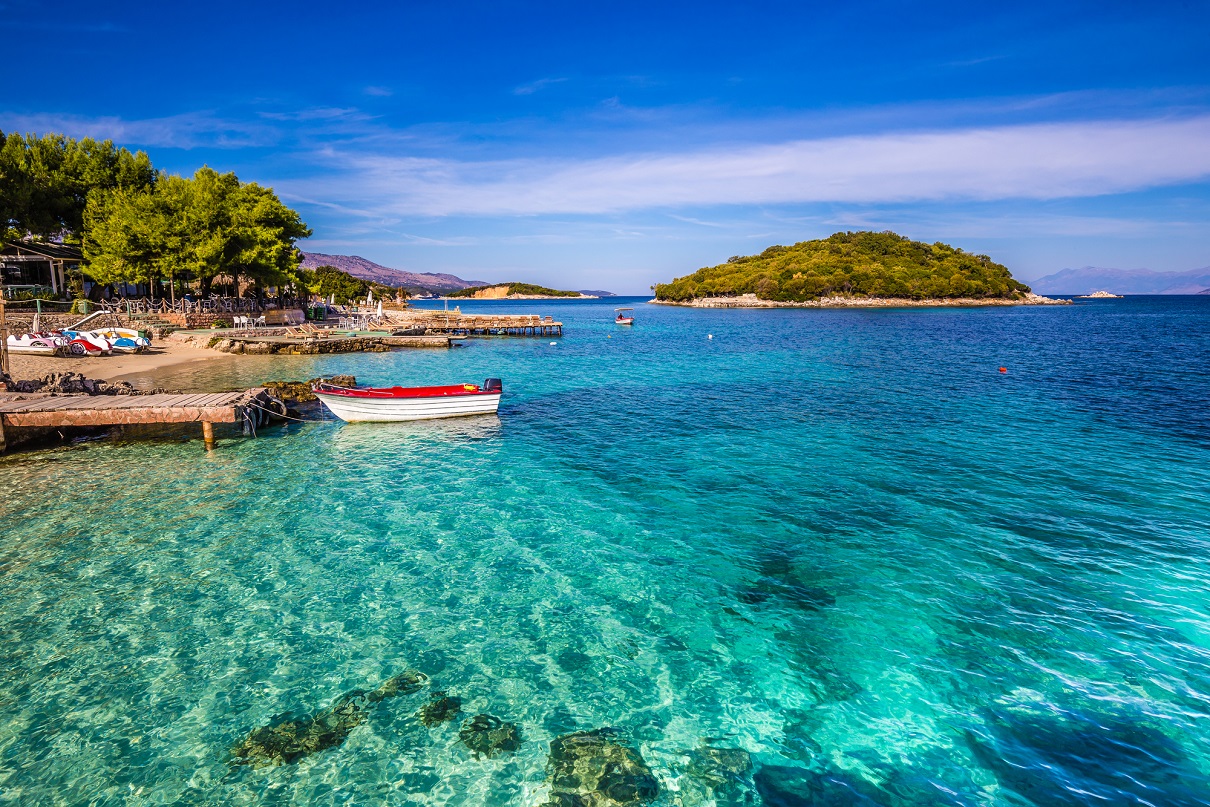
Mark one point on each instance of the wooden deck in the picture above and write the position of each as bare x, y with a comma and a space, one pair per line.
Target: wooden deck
459, 324
50, 410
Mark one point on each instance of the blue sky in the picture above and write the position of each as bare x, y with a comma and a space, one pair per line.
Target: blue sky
615, 145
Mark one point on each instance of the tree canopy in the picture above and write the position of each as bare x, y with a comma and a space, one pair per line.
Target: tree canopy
862, 264
136, 224
45, 181
328, 281
202, 227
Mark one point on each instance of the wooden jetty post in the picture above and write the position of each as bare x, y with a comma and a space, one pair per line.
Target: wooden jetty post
45, 409
3, 348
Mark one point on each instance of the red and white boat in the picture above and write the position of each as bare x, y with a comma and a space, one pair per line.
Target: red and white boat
410, 403
624, 318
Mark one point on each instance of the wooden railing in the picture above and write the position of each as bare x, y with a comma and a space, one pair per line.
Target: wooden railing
143, 306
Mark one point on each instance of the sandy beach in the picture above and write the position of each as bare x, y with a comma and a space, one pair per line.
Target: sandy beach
164, 353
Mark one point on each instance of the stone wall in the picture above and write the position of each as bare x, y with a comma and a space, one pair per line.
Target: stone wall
20, 322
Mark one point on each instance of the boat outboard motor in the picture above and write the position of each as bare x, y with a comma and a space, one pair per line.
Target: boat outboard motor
493, 385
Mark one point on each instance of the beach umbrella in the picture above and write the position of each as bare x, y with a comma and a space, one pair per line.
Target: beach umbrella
380, 308
36, 327
370, 298
332, 299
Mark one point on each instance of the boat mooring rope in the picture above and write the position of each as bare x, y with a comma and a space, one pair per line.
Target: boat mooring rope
287, 417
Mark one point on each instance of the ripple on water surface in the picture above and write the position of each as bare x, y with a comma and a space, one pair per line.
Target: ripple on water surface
824, 557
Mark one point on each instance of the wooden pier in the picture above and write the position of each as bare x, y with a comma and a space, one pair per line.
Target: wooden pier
251, 407
459, 324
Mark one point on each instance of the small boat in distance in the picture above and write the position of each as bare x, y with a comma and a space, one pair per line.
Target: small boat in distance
381, 404
623, 318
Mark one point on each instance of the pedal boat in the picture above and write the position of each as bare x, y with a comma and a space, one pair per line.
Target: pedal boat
383, 404
87, 343
124, 340
37, 344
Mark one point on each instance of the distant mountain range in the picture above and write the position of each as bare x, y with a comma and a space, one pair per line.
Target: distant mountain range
596, 293
364, 269
1123, 281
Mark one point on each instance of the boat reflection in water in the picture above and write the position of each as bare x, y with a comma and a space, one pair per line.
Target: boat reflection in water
399, 436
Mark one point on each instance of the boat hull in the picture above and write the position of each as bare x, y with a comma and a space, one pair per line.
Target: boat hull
34, 350
371, 410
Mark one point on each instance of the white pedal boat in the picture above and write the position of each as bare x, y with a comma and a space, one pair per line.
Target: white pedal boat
37, 344
410, 403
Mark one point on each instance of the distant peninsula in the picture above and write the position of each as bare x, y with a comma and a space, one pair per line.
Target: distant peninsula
852, 269
514, 291
364, 269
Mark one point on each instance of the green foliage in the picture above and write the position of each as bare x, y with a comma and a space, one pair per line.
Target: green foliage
45, 181
328, 280
516, 288
861, 264
203, 227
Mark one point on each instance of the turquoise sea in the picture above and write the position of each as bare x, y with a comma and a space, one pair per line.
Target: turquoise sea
841, 541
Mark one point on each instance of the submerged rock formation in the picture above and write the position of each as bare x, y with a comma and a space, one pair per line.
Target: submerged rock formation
785, 786
721, 774
487, 735
289, 738
791, 592
439, 709
594, 769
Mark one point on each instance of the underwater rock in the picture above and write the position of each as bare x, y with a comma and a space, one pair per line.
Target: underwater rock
798, 742
439, 709
721, 774
784, 786
403, 684
572, 660
593, 769
1069, 757
832, 685
288, 738
803, 597
488, 735
725, 761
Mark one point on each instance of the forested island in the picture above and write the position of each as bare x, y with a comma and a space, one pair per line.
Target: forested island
502, 291
854, 268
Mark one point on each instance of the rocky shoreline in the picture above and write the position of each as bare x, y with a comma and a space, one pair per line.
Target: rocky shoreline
752, 301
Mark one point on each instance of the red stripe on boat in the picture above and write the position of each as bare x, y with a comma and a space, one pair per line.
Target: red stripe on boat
404, 392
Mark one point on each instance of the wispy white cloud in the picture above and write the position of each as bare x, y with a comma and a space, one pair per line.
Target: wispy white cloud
1040, 161
533, 86
327, 113
379, 91
699, 222
185, 131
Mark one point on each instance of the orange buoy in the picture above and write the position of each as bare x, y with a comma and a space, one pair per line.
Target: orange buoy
1004, 369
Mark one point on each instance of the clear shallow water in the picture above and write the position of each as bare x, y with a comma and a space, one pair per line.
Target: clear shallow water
839, 540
